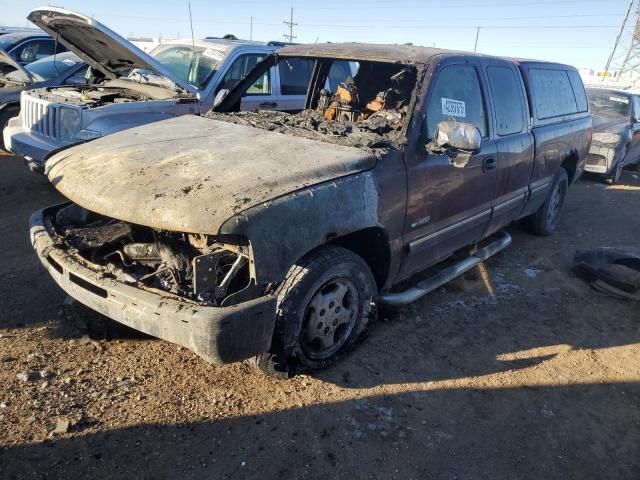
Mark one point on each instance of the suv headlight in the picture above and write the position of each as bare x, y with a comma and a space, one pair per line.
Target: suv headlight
69, 122
87, 135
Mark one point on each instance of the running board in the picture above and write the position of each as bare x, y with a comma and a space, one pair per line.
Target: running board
446, 275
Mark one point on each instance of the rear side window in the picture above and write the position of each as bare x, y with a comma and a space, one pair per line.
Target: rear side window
552, 93
456, 96
507, 100
578, 91
295, 74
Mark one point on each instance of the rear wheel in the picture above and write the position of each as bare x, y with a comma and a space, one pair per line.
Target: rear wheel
324, 307
5, 115
545, 220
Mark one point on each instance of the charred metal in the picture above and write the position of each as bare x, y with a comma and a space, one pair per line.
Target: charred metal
195, 267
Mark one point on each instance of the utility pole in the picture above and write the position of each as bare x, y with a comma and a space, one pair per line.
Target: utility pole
290, 23
475, 47
251, 29
624, 60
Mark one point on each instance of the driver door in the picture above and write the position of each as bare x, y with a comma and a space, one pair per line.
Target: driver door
449, 206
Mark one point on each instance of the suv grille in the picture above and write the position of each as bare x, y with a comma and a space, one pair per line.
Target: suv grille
596, 160
40, 116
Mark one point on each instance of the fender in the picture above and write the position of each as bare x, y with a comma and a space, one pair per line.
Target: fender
283, 230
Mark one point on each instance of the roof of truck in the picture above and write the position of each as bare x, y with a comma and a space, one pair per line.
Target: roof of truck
384, 53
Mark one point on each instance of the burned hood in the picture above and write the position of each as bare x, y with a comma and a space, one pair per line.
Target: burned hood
191, 174
8, 65
99, 46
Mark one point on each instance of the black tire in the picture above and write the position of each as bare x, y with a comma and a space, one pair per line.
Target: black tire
5, 115
616, 173
545, 220
312, 308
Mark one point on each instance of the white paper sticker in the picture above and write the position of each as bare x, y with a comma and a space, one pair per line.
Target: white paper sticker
216, 55
454, 108
619, 99
68, 61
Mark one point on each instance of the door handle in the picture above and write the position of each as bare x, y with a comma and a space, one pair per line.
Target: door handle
268, 105
489, 164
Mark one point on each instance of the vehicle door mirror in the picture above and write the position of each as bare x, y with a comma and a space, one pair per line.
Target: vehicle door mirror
220, 96
457, 136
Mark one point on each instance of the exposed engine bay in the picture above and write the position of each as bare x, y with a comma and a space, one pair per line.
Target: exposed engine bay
367, 110
191, 266
89, 96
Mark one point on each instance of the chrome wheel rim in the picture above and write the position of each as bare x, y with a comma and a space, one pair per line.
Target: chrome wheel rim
329, 318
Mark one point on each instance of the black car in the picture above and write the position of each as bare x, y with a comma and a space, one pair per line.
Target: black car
54, 70
29, 45
616, 132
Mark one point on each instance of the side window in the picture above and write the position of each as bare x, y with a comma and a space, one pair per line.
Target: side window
78, 78
552, 93
295, 75
239, 69
636, 108
578, 91
340, 70
456, 95
507, 100
35, 50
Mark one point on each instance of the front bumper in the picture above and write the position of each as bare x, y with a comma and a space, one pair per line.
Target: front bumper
600, 159
32, 147
218, 334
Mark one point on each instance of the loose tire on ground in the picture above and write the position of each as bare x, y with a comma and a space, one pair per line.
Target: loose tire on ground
545, 220
325, 305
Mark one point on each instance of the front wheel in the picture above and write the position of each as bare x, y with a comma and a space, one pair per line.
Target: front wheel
615, 175
325, 304
545, 220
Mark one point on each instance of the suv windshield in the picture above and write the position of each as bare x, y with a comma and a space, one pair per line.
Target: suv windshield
604, 102
192, 65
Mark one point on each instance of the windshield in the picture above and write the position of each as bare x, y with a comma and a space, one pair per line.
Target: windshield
194, 66
606, 102
43, 70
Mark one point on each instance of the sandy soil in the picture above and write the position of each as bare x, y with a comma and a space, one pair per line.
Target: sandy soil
540, 381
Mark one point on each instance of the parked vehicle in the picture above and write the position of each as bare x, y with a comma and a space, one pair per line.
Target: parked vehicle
179, 77
616, 132
274, 236
62, 69
26, 46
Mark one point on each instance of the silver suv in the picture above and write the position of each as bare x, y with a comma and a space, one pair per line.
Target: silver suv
128, 87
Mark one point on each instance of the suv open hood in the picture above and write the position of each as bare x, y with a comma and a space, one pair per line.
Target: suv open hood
6, 60
97, 45
190, 174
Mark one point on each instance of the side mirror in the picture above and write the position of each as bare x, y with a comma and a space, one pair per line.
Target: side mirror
458, 136
220, 96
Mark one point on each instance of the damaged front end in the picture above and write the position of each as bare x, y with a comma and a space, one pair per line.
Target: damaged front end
193, 290
190, 266
604, 154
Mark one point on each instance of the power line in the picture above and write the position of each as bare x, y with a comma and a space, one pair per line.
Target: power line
290, 23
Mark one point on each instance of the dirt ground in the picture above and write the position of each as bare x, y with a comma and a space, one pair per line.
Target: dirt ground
540, 381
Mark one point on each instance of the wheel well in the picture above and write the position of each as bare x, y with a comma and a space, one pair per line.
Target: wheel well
372, 245
570, 164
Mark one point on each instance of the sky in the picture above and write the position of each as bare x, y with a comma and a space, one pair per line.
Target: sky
577, 32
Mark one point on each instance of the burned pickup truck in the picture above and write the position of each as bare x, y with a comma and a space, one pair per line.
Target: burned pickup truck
274, 236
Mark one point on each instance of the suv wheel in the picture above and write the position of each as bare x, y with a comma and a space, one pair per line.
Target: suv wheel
5, 115
545, 220
324, 306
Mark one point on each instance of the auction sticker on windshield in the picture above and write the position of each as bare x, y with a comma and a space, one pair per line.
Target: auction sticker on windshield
454, 108
619, 99
216, 55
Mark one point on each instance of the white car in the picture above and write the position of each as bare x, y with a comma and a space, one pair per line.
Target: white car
127, 87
